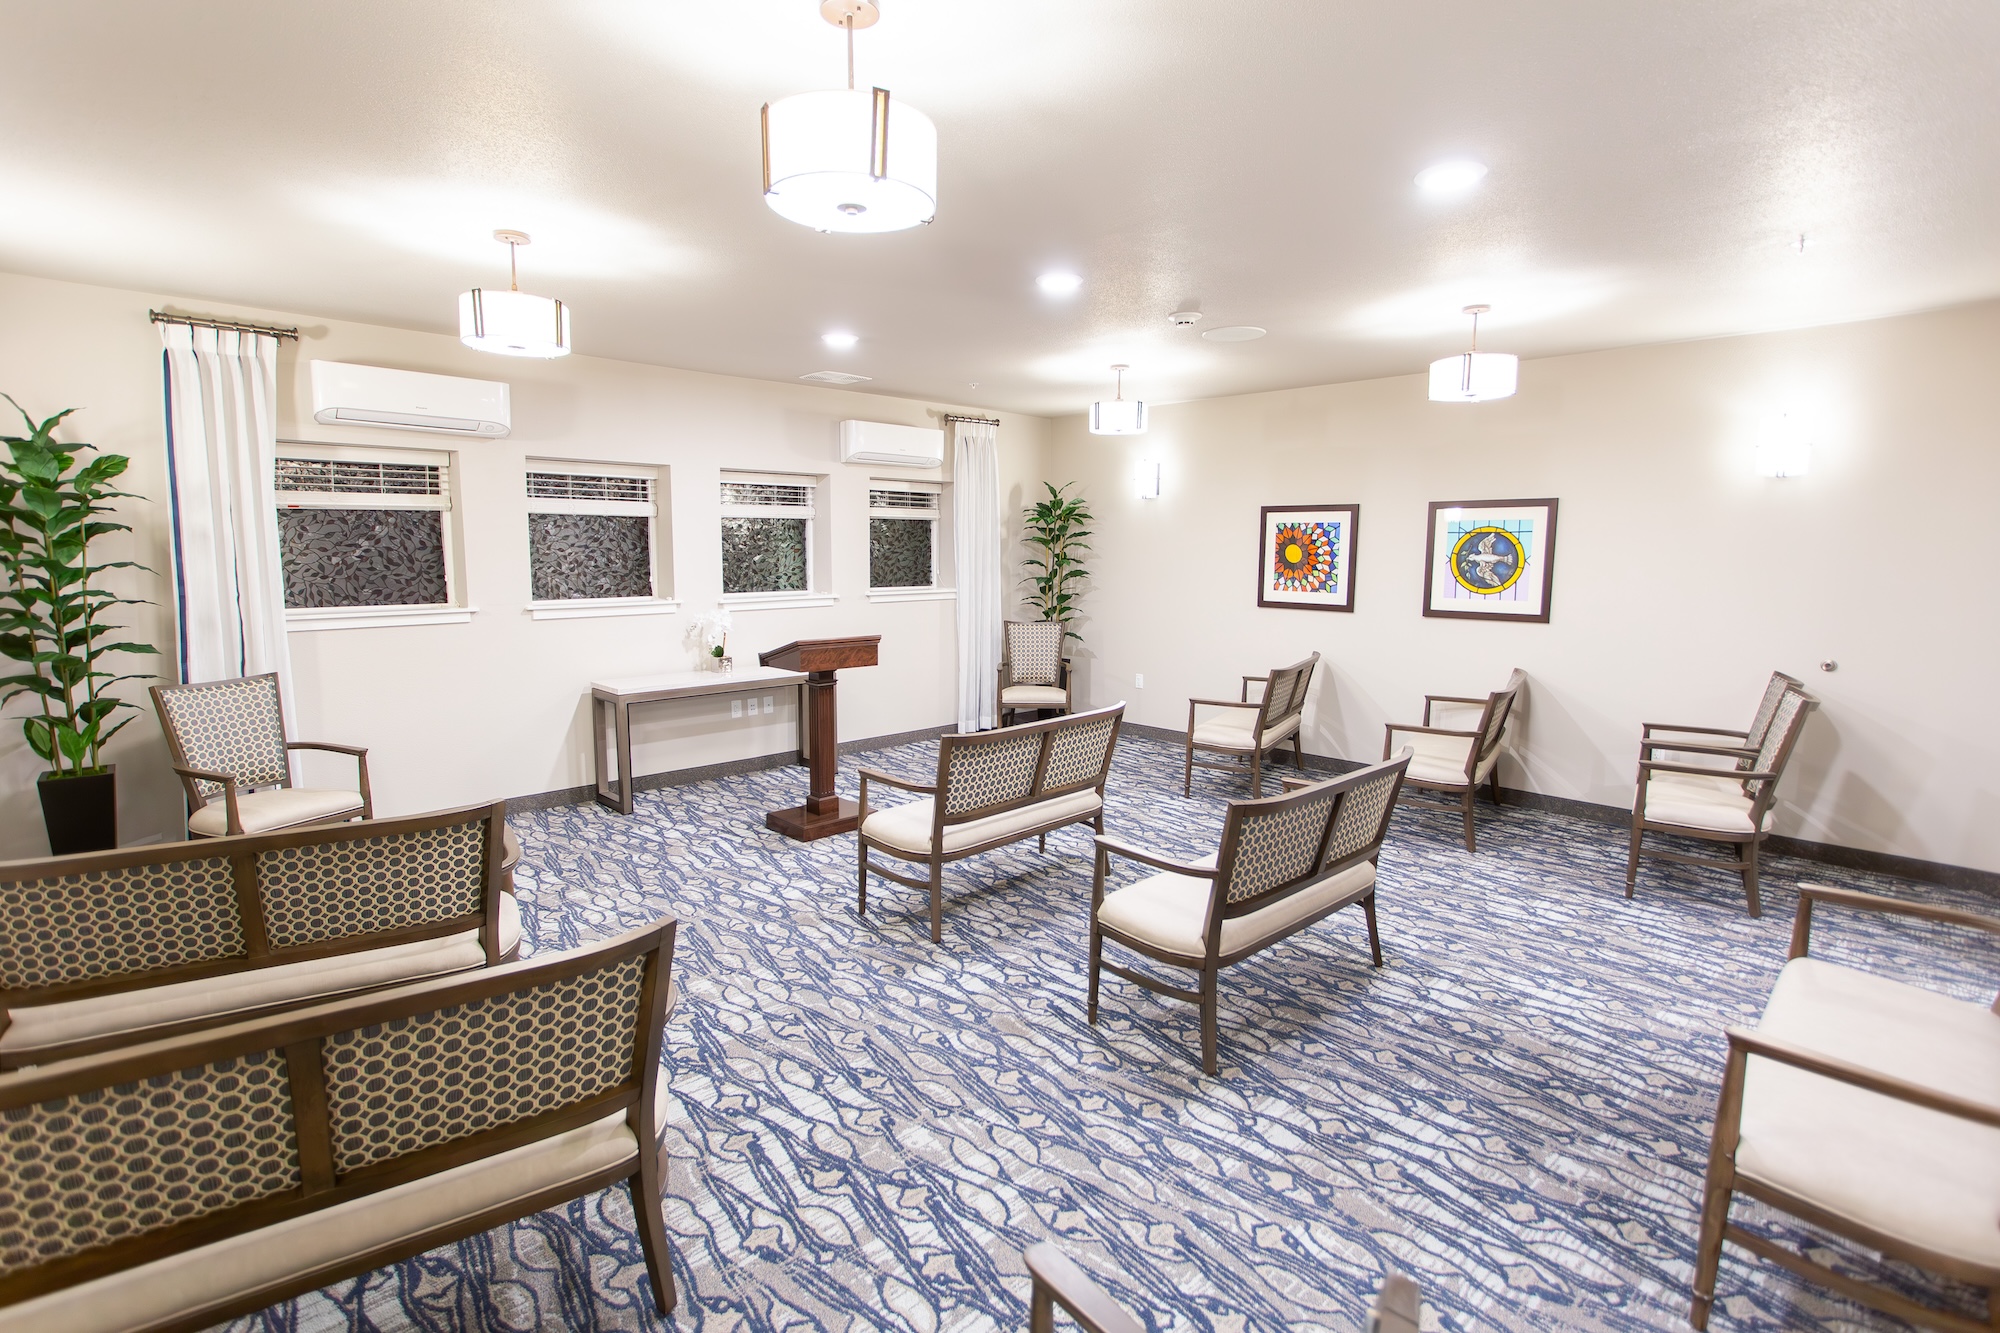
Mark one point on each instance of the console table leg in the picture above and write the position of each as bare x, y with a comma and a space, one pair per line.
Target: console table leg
623, 715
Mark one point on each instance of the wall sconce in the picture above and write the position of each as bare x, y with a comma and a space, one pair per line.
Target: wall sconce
1148, 477
1786, 452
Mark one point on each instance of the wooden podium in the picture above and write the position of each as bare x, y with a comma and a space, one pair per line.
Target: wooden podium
825, 813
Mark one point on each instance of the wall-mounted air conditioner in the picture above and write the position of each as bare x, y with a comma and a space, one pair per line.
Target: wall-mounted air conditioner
351, 395
885, 445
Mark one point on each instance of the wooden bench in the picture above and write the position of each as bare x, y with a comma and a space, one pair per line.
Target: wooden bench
992, 788
179, 1183
108, 948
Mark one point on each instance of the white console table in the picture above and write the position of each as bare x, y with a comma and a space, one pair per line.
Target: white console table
619, 696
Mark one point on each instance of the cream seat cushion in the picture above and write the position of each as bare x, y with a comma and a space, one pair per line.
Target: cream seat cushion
907, 828
1231, 728
1704, 804
135, 1011
1440, 760
1034, 696
1920, 1176
228, 1270
1170, 911
280, 807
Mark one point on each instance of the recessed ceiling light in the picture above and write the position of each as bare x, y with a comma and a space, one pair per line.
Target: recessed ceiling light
1234, 333
1059, 283
839, 339
1453, 177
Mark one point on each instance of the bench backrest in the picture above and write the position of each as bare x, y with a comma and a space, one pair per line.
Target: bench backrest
122, 1158
1034, 652
227, 726
72, 927
1275, 846
993, 771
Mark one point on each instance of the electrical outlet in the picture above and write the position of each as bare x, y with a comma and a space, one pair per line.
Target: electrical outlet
770, 704
736, 708
1139, 682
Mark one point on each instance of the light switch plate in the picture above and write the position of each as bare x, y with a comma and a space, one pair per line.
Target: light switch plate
736, 708
1139, 682
770, 704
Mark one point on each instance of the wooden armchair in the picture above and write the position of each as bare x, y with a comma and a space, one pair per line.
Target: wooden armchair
992, 788
1284, 863
1867, 1107
228, 740
1453, 761
182, 1183
1658, 737
1247, 729
1034, 674
1057, 1281
1716, 804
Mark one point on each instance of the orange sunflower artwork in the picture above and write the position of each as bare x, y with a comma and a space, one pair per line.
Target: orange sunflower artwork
1304, 556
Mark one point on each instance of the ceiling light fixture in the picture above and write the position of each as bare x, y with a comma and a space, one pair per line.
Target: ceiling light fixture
1449, 178
840, 339
512, 322
849, 161
1059, 283
1120, 416
1785, 451
1475, 376
1234, 333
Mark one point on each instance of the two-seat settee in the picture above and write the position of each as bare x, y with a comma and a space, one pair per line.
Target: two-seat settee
108, 948
992, 788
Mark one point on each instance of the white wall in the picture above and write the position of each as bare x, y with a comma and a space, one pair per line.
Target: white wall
1681, 578
499, 706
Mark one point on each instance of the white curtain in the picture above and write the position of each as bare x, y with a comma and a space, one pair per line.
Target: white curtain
222, 443
975, 462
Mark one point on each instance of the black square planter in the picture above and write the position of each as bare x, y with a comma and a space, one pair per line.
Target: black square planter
81, 814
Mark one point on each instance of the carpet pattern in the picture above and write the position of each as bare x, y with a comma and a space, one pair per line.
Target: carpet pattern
868, 1129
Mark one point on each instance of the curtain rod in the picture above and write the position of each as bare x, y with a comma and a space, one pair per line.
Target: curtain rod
983, 421
198, 322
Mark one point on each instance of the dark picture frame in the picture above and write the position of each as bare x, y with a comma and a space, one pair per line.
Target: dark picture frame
1490, 560
1327, 549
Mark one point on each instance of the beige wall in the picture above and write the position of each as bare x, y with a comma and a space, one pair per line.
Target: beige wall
496, 707
1681, 577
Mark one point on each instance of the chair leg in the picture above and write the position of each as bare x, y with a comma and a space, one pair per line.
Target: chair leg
1471, 841
937, 900
1748, 852
1632, 861
1374, 938
1493, 784
1256, 774
1096, 963
1208, 1021
645, 1186
861, 855
1044, 845
1718, 1189
1187, 773
1298, 753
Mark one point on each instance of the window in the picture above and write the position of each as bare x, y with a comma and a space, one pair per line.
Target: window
363, 527
767, 533
591, 531
902, 534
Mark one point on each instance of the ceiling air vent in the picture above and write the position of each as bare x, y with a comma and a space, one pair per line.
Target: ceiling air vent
834, 377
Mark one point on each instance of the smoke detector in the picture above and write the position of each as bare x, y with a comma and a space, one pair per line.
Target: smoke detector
1184, 318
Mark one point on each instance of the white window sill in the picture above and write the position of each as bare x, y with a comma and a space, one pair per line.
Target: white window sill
912, 594
586, 608
760, 601
374, 617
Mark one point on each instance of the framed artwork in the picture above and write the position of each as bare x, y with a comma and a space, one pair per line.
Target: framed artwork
1490, 559
1305, 556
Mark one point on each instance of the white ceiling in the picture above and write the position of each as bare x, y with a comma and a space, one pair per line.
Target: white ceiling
1652, 166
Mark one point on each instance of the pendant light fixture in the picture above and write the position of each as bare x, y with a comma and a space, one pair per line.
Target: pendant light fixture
850, 160
513, 323
1120, 416
1475, 376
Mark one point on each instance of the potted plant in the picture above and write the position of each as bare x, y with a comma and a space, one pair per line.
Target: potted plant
711, 634
52, 504
1056, 528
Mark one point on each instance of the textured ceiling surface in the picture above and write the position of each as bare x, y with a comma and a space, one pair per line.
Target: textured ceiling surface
1652, 167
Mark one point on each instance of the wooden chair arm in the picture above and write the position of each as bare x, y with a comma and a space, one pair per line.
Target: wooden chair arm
1059, 1280
1694, 747
890, 780
233, 824
360, 753
1154, 859
1887, 1085
1244, 692
1452, 699
1223, 703
356, 750
1393, 727
1875, 902
1733, 774
1648, 728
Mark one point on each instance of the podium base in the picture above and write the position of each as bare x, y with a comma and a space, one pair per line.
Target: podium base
798, 823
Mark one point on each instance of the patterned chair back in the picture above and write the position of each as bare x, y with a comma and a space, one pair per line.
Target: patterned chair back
1779, 685
1499, 711
1788, 719
204, 1135
1034, 652
1285, 692
1277, 845
227, 726
126, 920
990, 771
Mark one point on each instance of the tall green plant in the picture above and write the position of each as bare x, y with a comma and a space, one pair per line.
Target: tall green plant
1056, 528
51, 611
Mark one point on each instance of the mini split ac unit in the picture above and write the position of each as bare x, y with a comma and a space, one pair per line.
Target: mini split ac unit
885, 445
351, 395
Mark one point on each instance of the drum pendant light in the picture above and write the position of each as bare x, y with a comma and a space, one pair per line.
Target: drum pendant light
1120, 416
513, 323
1475, 376
853, 160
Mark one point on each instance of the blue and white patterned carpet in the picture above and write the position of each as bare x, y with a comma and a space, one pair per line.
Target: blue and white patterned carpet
869, 1128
